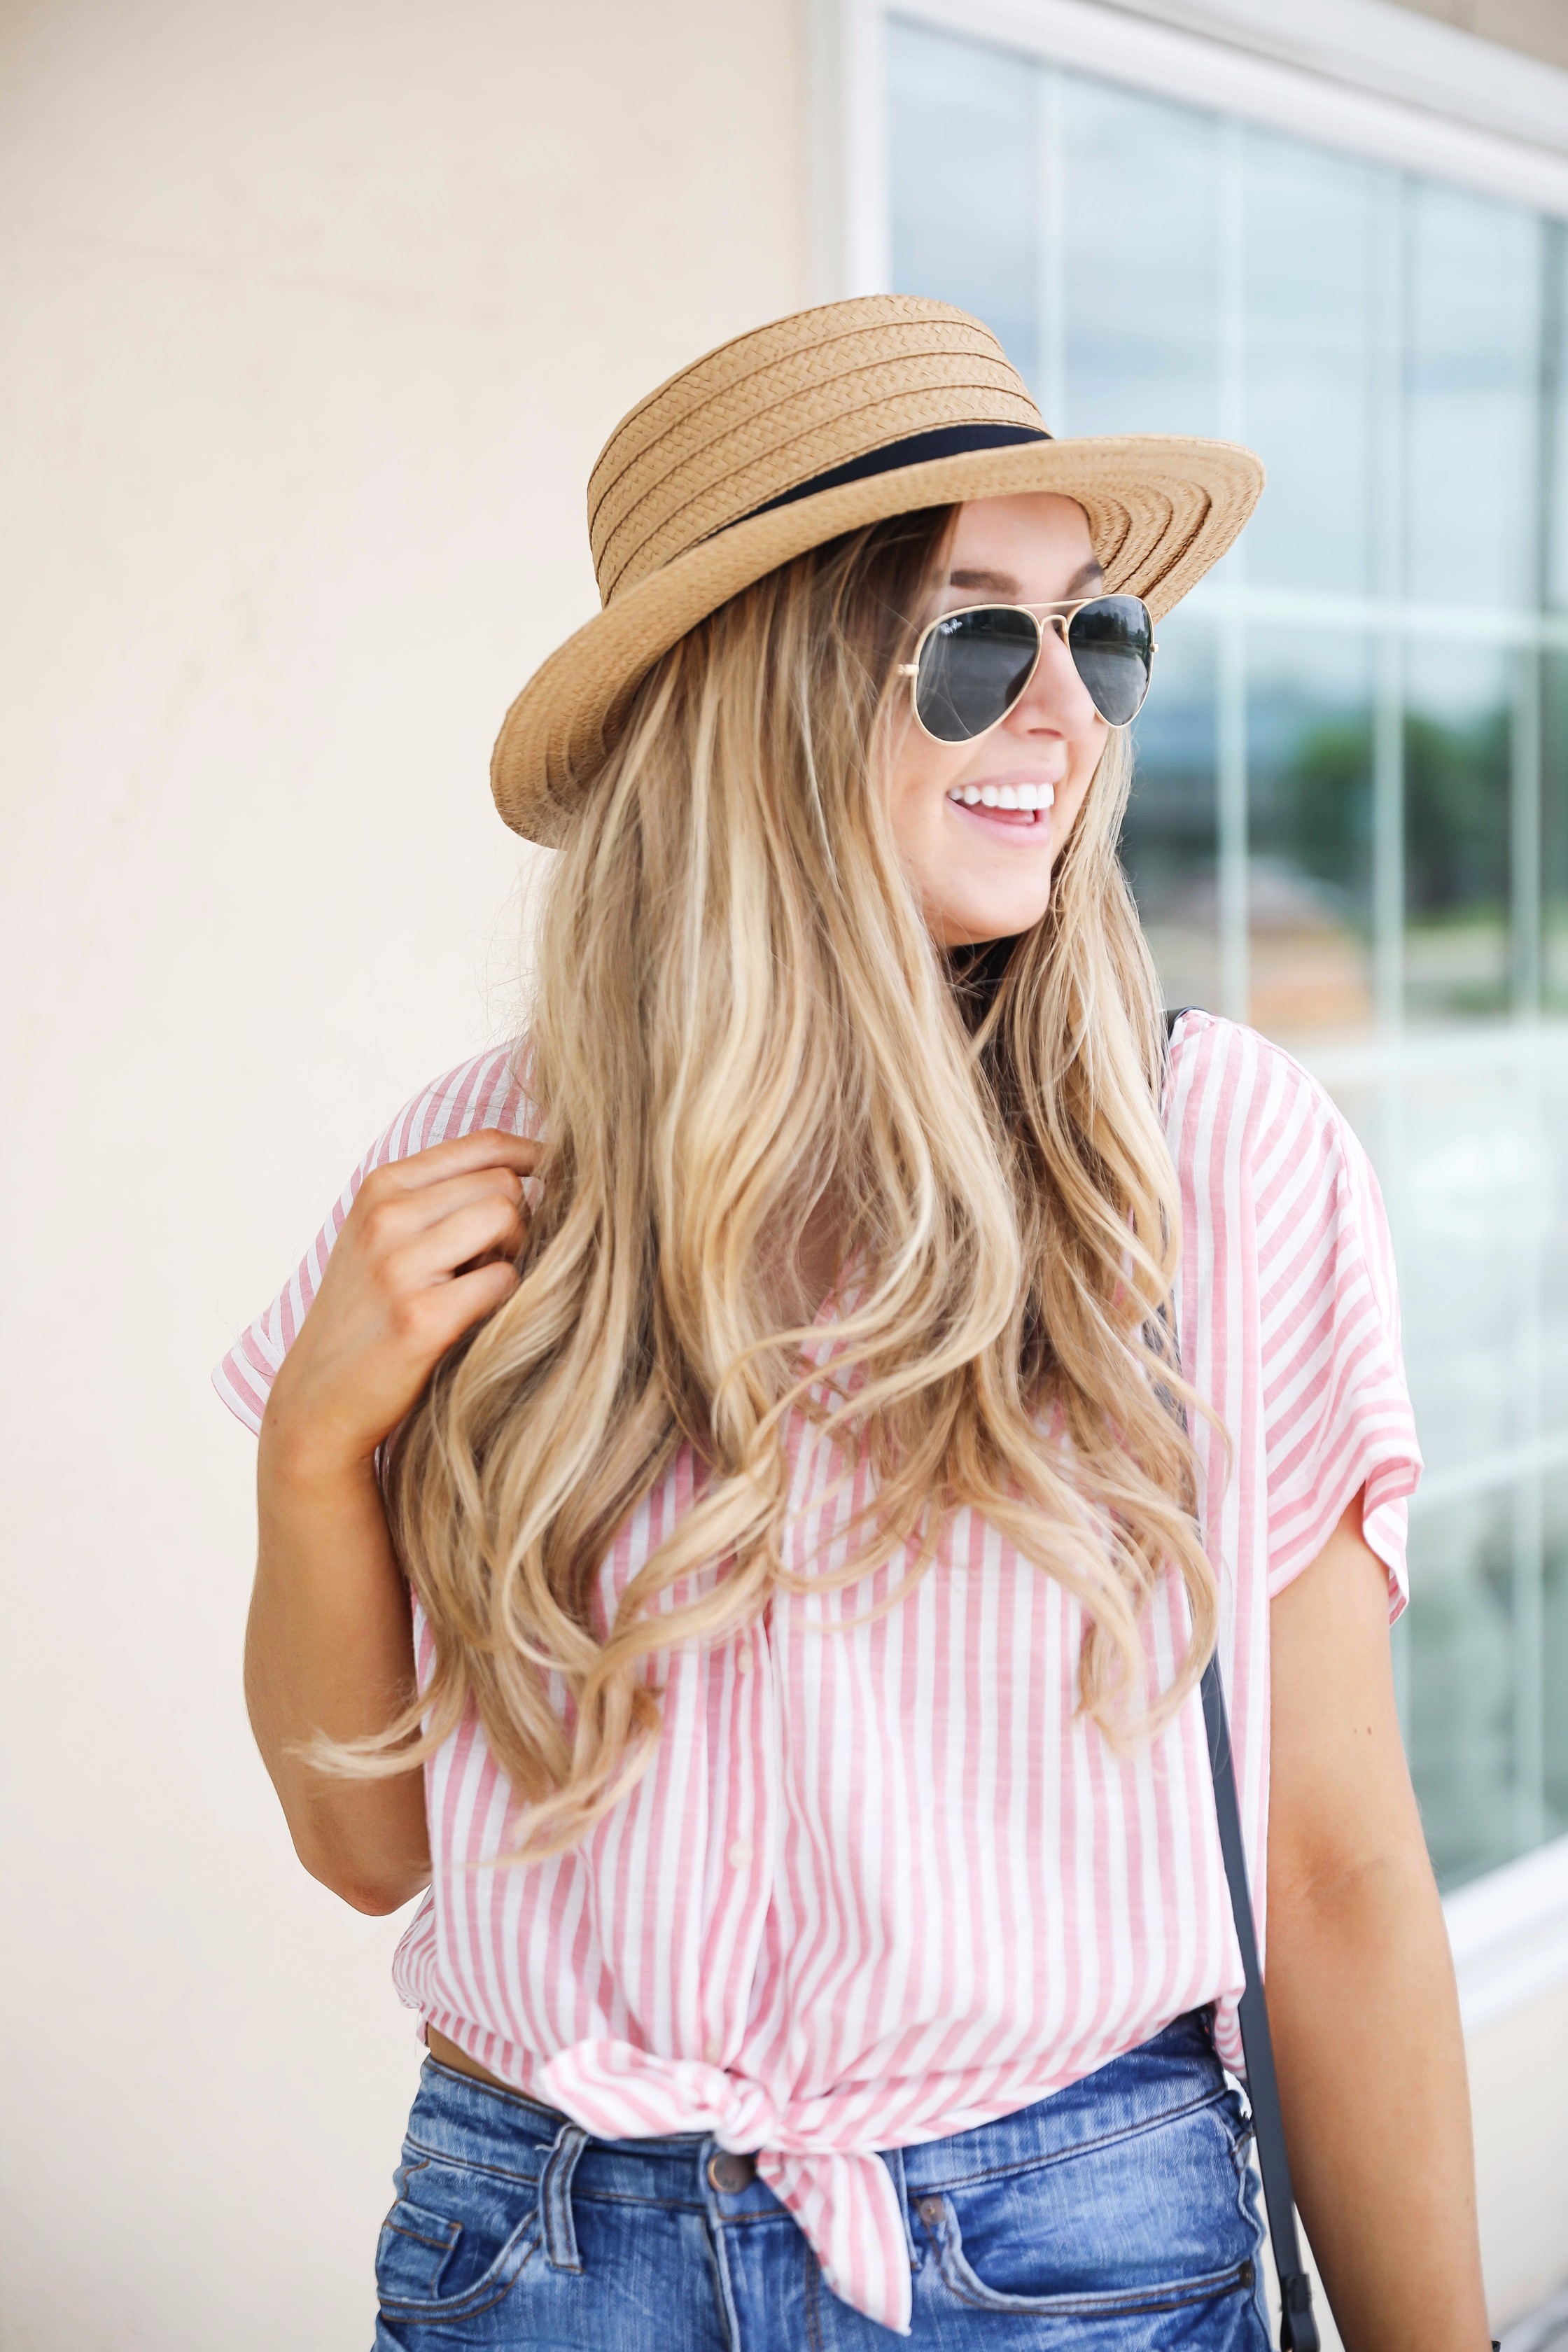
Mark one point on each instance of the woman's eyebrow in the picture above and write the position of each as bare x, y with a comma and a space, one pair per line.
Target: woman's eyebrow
1003, 583
995, 584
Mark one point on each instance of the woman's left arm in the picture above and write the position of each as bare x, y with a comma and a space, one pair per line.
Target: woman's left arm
1362, 1998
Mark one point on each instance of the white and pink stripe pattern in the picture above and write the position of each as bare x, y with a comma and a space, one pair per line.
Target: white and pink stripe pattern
880, 1883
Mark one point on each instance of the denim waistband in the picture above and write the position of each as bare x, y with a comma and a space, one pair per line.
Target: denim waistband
468, 2121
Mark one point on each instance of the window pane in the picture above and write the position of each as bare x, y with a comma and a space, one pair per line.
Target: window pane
962, 156
1470, 1185
1554, 1661
1543, 1275
1554, 502
1554, 828
1488, 1657
1310, 759
1141, 264
1457, 778
1169, 842
1473, 367
1313, 223
1461, 1657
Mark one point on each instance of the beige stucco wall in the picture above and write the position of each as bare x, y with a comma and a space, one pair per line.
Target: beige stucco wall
316, 313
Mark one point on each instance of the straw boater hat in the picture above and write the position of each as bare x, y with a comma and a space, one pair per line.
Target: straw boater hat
815, 426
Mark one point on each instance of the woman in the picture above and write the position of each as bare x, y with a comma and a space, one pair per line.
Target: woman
775, 1380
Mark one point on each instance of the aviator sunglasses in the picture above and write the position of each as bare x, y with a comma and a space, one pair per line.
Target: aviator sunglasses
973, 666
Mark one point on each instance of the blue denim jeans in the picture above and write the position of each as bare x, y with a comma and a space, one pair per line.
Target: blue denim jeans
1118, 2215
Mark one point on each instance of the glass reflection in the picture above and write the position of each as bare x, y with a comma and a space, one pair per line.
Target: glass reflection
961, 160
1458, 700
1487, 1675
1169, 843
1554, 1662
1552, 673
1459, 1663
1310, 761
1141, 267
1554, 505
1312, 338
1474, 1204
1472, 371
1545, 1272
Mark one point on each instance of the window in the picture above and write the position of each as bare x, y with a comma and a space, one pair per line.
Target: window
1350, 824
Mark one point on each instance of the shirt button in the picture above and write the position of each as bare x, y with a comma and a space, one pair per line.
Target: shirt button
740, 1854
712, 2051
744, 1658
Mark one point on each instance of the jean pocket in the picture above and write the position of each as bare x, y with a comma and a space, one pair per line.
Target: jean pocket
456, 2241
1145, 2221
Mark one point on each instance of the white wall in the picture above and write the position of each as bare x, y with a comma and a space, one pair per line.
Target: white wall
315, 315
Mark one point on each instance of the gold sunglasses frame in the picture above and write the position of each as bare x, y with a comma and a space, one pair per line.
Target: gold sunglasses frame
1063, 613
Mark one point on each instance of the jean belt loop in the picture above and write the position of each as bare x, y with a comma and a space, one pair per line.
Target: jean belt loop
555, 2199
893, 2158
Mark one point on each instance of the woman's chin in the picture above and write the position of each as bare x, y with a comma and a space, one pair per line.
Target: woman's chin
970, 921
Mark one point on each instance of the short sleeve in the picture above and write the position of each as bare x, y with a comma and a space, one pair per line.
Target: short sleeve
492, 1090
1336, 1409
1289, 1305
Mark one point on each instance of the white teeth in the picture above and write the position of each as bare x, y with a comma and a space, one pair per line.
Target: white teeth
1030, 797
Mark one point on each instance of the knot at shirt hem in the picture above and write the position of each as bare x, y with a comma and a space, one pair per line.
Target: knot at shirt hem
844, 2200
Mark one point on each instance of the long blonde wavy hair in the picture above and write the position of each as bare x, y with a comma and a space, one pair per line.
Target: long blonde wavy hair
740, 1019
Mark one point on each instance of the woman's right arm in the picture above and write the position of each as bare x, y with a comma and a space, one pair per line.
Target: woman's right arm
426, 1251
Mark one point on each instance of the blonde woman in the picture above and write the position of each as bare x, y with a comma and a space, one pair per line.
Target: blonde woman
828, 1391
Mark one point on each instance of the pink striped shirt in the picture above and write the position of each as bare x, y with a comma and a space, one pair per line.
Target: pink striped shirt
880, 1883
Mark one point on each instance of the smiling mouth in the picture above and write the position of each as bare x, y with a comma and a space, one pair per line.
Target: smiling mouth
1023, 807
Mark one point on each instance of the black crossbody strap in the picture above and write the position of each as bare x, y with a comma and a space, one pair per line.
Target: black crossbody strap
1298, 2325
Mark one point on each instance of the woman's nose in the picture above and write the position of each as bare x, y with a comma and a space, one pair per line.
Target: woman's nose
1056, 697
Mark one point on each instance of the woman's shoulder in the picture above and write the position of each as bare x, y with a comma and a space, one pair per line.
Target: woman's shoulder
1234, 1100
1269, 1168
494, 1088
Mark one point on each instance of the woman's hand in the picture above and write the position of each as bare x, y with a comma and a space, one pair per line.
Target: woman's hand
426, 1251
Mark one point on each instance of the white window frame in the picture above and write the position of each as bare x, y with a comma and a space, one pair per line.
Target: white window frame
1366, 76
1369, 77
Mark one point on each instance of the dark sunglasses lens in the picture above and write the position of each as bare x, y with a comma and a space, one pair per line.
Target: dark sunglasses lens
1111, 643
973, 667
